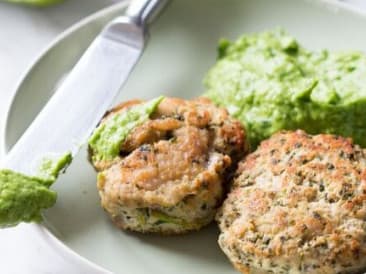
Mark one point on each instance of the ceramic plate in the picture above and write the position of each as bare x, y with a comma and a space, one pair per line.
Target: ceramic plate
181, 50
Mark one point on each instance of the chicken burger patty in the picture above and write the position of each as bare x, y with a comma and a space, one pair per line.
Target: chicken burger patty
297, 205
169, 174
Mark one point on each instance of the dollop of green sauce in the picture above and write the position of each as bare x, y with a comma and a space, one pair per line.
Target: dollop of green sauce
270, 82
22, 197
51, 167
106, 140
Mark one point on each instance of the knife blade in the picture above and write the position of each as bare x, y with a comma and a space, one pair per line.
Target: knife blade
72, 113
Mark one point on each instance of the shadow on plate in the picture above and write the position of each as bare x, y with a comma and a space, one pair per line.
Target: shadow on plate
207, 249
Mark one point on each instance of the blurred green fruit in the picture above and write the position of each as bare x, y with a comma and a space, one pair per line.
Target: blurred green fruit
35, 2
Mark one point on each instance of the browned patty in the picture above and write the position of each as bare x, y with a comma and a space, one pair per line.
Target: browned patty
297, 205
169, 177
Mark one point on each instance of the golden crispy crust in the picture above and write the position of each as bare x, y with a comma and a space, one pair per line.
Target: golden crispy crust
298, 205
173, 163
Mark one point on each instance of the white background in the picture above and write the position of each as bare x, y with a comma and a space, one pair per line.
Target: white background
24, 32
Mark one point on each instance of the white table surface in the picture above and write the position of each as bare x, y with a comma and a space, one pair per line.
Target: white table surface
24, 32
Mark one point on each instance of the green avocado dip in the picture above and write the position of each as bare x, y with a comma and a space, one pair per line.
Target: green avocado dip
270, 82
23, 197
106, 140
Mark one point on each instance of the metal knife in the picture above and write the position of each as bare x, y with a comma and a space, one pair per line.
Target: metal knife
70, 116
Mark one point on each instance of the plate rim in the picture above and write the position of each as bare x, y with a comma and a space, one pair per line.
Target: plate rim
60, 247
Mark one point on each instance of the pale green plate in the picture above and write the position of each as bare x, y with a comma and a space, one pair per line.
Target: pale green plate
181, 50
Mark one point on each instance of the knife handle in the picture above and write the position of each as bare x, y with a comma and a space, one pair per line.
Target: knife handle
144, 11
